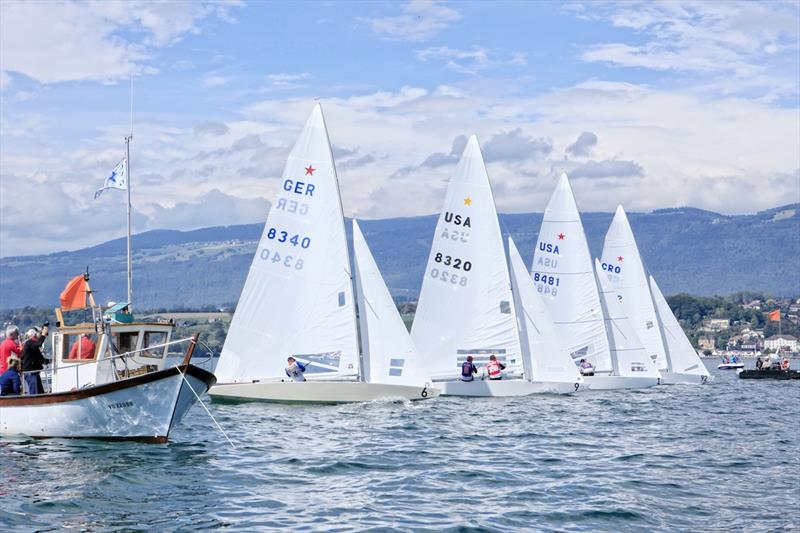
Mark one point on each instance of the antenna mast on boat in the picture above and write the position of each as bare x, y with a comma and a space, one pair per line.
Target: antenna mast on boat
128, 159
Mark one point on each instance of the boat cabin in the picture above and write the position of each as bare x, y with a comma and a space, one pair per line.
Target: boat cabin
110, 348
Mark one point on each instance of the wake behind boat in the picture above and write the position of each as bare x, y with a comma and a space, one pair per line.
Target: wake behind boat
297, 302
98, 392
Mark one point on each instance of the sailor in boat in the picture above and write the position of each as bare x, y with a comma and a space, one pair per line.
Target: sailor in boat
785, 364
83, 349
495, 368
10, 381
766, 362
32, 359
468, 370
10, 345
586, 368
295, 369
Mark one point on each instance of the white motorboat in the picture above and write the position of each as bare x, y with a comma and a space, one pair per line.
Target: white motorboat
104, 394
298, 301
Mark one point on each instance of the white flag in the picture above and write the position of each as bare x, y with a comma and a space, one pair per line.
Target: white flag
117, 180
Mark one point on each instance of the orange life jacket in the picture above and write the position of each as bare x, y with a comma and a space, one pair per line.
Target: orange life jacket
493, 369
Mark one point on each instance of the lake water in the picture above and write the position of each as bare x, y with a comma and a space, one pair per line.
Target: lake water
684, 458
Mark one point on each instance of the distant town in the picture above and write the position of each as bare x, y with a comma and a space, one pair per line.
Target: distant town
745, 324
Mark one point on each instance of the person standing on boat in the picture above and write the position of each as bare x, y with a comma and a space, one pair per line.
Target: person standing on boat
83, 349
33, 360
10, 382
295, 369
468, 369
495, 368
10, 345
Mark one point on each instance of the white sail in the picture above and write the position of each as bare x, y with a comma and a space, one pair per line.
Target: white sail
388, 353
622, 262
298, 297
465, 306
627, 350
682, 356
544, 357
563, 275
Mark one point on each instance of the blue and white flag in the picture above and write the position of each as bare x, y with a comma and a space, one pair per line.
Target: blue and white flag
117, 180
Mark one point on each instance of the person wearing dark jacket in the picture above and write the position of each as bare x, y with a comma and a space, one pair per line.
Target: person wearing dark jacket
33, 361
10, 383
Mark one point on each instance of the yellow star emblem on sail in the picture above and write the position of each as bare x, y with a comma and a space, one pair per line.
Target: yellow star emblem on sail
467, 201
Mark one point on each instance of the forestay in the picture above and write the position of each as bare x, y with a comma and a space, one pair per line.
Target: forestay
388, 353
622, 262
544, 357
682, 356
298, 298
465, 306
628, 353
563, 275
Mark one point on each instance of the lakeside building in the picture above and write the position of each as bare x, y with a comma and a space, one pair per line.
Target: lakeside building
782, 342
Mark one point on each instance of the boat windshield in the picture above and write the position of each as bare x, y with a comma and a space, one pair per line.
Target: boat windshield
154, 338
79, 347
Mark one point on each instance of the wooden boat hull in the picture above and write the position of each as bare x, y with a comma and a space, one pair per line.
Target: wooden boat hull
769, 374
329, 392
143, 408
605, 382
505, 387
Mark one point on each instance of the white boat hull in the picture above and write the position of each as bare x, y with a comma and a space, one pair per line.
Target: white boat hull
321, 391
676, 378
601, 382
730, 366
144, 408
504, 387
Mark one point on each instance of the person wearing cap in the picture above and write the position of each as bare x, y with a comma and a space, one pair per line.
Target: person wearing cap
468, 370
495, 368
10, 382
10, 345
33, 360
295, 369
586, 368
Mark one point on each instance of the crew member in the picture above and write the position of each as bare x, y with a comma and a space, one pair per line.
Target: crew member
10, 383
586, 368
9, 345
495, 368
83, 349
295, 369
468, 370
32, 359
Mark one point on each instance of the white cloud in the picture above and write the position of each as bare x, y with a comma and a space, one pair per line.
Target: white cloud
285, 79
53, 42
421, 20
214, 80
468, 61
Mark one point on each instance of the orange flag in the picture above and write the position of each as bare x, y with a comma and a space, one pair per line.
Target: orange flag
775, 315
74, 294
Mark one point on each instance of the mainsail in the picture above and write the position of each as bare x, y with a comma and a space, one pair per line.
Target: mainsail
682, 356
628, 353
298, 297
388, 353
544, 357
465, 306
623, 264
563, 275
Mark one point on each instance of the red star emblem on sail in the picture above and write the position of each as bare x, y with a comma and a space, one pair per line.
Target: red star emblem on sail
560, 236
310, 170
620, 258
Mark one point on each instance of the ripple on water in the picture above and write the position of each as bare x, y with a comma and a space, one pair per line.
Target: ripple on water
670, 458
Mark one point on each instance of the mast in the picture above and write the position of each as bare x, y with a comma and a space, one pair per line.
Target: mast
128, 172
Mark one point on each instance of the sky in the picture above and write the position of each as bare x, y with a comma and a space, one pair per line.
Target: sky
650, 105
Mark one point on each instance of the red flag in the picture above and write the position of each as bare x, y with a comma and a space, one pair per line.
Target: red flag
74, 294
775, 315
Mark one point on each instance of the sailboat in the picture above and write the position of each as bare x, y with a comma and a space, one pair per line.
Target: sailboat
623, 265
685, 366
298, 300
564, 275
466, 306
628, 354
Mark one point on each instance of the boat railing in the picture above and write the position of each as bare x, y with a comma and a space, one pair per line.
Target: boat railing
125, 373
